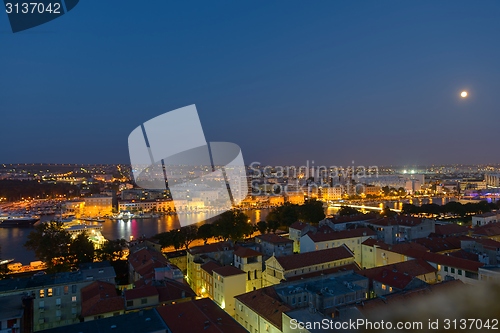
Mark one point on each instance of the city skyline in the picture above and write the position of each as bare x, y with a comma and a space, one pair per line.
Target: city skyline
379, 84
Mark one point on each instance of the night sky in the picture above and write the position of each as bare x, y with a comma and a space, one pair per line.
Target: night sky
376, 82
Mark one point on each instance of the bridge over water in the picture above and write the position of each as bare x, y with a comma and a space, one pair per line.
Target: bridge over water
376, 208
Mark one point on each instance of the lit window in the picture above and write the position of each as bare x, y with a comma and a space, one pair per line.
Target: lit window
49, 292
73, 298
383, 287
42, 293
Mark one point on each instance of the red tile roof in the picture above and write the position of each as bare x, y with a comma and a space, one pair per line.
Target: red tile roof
245, 252
446, 260
352, 218
404, 220
349, 267
487, 214
142, 292
171, 290
267, 304
388, 277
299, 225
440, 244
228, 271
335, 235
488, 230
404, 297
450, 229
210, 266
464, 255
201, 315
210, 248
145, 261
489, 243
399, 275
100, 297
401, 248
274, 239
295, 261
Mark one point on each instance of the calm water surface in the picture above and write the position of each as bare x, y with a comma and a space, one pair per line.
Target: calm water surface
12, 239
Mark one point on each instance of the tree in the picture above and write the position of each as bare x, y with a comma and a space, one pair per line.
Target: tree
51, 243
387, 212
312, 211
409, 209
386, 190
232, 225
81, 249
273, 226
187, 235
112, 250
284, 215
262, 227
347, 211
401, 191
205, 232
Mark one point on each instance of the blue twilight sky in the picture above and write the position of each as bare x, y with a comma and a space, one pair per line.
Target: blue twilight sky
377, 82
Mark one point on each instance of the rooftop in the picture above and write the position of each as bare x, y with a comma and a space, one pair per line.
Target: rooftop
210, 266
352, 218
403, 220
245, 252
100, 297
306, 259
144, 291
266, 303
488, 214
488, 230
201, 315
274, 239
228, 271
489, 243
146, 260
171, 290
446, 260
90, 274
464, 255
299, 225
210, 248
403, 297
450, 229
398, 275
440, 244
146, 321
349, 267
11, 307
401, 248
333, 284
335, 235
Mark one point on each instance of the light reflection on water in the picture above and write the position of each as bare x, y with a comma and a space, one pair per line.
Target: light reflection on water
12, 239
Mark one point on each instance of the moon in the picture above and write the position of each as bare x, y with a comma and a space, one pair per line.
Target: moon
463, 94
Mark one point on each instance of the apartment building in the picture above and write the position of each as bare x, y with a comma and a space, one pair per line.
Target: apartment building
401, 228
297, 230
249, 261
229, 281
274, 245
327, 238
272, 308
221, 252
57, 297
280, 269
